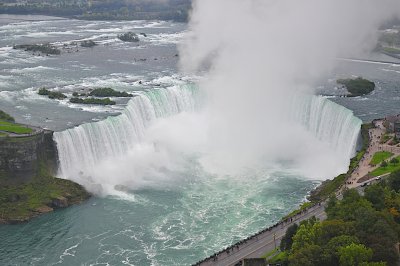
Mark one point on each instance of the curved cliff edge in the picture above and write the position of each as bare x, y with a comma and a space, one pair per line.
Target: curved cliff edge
28, 187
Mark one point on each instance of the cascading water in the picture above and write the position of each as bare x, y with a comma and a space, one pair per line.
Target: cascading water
84, 148
328, 122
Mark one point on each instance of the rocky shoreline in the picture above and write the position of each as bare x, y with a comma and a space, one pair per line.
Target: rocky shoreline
28, 163
78, 196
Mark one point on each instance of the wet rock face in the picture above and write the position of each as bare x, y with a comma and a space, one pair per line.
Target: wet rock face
20, 156
59, 202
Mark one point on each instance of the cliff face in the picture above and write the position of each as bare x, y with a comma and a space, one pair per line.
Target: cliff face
20, 157
28, 187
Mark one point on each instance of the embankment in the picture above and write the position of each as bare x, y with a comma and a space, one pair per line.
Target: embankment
27, 185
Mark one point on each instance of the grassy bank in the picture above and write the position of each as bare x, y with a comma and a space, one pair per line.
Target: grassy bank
44, 193
389, 168
23, 198
14, 128
6, 117
380, 156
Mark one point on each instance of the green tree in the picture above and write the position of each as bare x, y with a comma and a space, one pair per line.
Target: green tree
287, 239
384, 164
376, 195
308, 256
381, 263
333, 228
306, 235
350, 208
330, 255
394, 161
394, 181
354, 254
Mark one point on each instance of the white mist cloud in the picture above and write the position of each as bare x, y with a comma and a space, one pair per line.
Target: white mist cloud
258, 55
262, 57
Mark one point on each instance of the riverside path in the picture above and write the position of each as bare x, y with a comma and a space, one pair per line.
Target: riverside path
363, 169
262, 242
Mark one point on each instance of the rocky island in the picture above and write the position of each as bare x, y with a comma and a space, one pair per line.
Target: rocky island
129, 37
41, 48
52, 94
88, 43
108, 92
357, 87
28, 162
101, 93
104, 101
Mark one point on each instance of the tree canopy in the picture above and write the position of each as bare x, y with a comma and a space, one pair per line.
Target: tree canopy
359, 230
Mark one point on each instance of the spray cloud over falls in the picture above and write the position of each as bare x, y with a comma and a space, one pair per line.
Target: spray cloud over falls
260, 54
262, 60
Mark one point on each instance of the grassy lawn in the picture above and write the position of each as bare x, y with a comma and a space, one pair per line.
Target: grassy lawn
388, 169
303, 206
19, 202
14, 128
270, 253
380, 156
280, 257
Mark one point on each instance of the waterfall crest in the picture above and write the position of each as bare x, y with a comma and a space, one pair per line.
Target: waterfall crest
83, 148
329, 122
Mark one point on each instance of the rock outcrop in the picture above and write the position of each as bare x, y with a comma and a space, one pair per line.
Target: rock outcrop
28, 188
20, 156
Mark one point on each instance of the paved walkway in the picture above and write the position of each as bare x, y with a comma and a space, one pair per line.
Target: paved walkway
364, 168
263, 242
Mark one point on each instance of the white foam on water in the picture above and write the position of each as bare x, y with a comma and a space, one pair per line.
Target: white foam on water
32, 69
166, 38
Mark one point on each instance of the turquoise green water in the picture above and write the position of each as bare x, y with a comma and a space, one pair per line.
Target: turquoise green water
176, 225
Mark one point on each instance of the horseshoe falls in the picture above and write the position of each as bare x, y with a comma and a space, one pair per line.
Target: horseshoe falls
158, 205
83, 150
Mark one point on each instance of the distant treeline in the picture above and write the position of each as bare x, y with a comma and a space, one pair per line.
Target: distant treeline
176, 10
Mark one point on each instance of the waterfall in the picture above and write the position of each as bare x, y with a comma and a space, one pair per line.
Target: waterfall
83, 148
329, 122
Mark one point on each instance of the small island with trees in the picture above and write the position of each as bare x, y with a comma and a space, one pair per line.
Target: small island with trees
109, 92
52, 94
357, 87
104, 101
47, 49
102, 95
129, 37
88, 43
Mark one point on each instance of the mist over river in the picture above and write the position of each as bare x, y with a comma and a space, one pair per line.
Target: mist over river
158, 203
